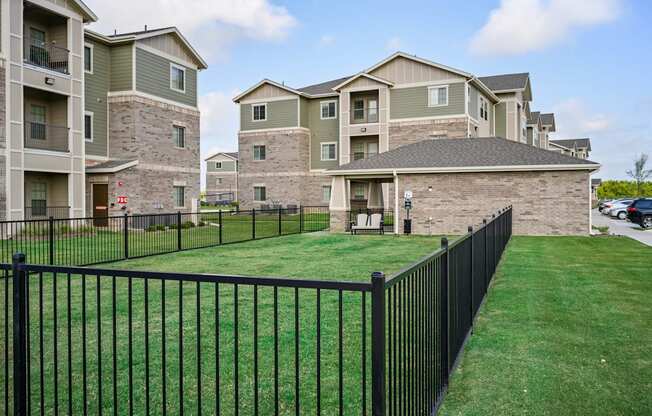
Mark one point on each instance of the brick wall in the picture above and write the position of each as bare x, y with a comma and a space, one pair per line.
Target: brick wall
545, 203
229, 183
408, 132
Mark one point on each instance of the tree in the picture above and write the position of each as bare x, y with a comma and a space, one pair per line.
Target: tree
640, 174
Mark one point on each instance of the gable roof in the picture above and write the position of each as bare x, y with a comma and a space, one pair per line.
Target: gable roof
548, 119
459, 155
146, 34
569, 143
323, 88
365, 75
240, 96
534, 117
89, 16
506, 82
415, 58
232, 155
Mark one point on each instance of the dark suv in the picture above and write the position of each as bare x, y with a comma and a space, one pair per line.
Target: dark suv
640, 212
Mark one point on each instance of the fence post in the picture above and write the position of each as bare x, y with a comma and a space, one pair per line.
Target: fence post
219, 217
178, 230
253, 223
280, 226
125, 228
446, 304
486, 254
472, 278
300, 219
20, 335
494, 261
377, 344
51, 238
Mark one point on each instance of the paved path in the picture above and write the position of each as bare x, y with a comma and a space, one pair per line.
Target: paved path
621, 227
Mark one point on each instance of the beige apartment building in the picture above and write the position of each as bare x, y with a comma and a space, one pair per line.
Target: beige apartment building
93, 124
289, 138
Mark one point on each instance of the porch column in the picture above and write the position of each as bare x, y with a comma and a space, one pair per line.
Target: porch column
375, 200
339, 204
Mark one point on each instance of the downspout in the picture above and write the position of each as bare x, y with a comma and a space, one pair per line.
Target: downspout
466, 107
396, 213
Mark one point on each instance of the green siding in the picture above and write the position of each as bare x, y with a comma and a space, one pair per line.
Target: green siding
413, 102
474, 103
322, 131
121, 68
529, 135
96, 86
227, 166
279, 114
153, 77
501, 120
305, 112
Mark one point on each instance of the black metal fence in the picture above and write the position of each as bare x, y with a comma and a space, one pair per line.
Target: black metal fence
94, 240
98, 341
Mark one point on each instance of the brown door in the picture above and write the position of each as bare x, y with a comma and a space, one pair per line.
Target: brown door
100, 204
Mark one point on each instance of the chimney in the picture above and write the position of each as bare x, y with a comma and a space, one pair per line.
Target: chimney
115, 32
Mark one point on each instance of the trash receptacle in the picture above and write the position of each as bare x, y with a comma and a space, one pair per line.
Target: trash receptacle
407, 226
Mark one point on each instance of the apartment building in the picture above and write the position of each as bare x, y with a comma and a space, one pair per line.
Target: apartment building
290, 137
222, 177
89, 118
579, 148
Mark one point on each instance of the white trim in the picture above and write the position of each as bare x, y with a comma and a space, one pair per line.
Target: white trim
46, 71
321, 113
274, 129
238, 97
430, 104
185, 79
113, 169
92, 115
420, 60
321, 151
507, 168
401, 120
271, 99
92, 48
167, 56
363, 74
141, 94
220, 153
253, 112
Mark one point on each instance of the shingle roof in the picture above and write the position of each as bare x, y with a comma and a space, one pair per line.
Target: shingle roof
506, 81
548, 119
596, 182
534, 117
569, 143
140, 32
230, 154
323, 88
463, 153
112, 164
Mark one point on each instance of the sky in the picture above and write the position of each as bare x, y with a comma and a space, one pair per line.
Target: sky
588, 59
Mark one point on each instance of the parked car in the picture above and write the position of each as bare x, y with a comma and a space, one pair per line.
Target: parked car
603, 203
619, 209
640, 212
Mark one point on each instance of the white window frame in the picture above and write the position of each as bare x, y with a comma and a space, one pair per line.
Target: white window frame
254, 191
321, 109
89, 46
253, 151
253, 112
321, 151
92, 115
218, 165
174, 189
330, 193
437, 87
185, 79
174, 128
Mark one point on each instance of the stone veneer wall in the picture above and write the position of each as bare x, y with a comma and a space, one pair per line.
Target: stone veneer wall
408, 132
545, 203
229, 184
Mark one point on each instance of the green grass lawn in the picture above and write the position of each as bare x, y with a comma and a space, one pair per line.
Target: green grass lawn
566, 330
316, 255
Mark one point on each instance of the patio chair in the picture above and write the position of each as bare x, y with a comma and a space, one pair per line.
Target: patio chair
372, 223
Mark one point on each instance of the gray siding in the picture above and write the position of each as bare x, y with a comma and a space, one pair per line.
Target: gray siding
501, 120
95, 89
153, 77
322, 131
121, 68
227, 166
279, 114
413, 102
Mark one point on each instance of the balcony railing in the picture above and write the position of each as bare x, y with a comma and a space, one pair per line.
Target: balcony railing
46, 55
43, 211
46, 136
364, 115
362, 155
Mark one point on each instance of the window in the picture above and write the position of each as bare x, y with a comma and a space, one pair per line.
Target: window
259, 152
88, 58
484, 109
88, 126
328, 109
218, 165
328, 151
177, 78
37, 122
438, 96
259, 112
372, 116
179, 136
39, 199
179, 196
358, 109
326, 193
358, 191
218, 181
260, 193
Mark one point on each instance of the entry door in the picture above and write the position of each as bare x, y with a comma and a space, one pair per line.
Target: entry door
100, 204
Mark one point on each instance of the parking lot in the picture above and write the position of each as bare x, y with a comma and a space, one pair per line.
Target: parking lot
622, 227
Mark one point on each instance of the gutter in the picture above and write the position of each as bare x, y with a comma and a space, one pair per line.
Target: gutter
467, 169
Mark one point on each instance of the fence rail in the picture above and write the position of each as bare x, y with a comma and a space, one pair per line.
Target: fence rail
103, 341
94, 240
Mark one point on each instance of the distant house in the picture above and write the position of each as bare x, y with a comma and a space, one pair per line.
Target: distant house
222, 177
595, 184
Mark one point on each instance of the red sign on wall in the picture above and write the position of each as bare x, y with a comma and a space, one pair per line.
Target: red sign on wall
122, 199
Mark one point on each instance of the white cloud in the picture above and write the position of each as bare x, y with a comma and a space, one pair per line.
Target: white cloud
210, 25
327, 40
574, 119
521, 26
393, 44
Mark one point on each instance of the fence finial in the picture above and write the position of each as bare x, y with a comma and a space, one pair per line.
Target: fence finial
444, 242
470, 229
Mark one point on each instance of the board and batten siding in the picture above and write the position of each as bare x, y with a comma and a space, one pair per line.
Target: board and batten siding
153, 77
501, 120
412, 102
280, 114
227, 166
122, 68
96, 87
322, 131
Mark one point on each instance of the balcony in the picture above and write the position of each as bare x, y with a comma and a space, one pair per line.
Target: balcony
46, 136
364, 107
46, 195
46, 120
45, 39
48, 56
362, 155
